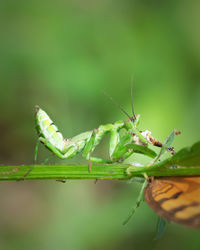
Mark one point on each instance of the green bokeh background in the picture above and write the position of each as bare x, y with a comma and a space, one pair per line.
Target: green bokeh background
61, 55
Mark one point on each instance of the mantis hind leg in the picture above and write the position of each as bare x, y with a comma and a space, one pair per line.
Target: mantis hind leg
35, 158
36, 153
36, 150
100, 160
54, 150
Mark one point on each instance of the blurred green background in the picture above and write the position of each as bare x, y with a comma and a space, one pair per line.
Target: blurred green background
61, 55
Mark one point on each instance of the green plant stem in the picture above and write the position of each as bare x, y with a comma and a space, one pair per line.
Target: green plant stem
80, 172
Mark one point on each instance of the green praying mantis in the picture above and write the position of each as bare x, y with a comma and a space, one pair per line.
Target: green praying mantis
121, 146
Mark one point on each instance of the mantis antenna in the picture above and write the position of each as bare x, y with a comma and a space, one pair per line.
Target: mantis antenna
132, 99
119, 106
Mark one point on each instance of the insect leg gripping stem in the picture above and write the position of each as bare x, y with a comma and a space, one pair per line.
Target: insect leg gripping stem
35, 158
36, 150
97, 136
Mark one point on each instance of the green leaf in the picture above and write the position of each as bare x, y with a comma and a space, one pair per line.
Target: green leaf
189, 156
161, 226
186, 157
142, 150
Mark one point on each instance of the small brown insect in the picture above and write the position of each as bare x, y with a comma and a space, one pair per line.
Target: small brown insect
176, 199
